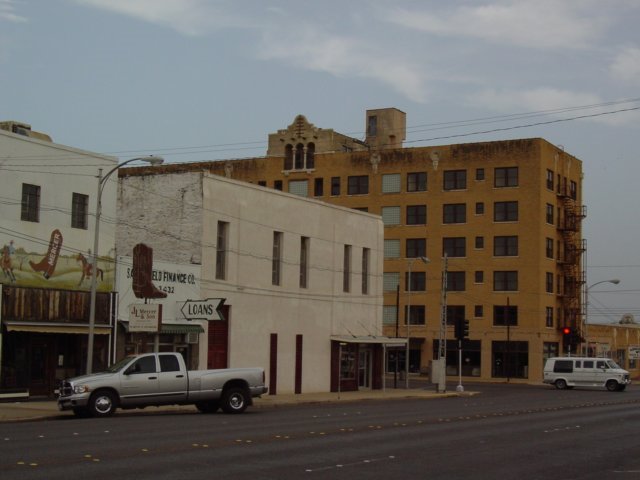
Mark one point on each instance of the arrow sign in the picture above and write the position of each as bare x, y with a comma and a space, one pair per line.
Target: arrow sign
207, 309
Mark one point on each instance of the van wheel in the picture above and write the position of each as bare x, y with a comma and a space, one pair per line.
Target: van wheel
561, 384
612, 385
235, 400
208, 407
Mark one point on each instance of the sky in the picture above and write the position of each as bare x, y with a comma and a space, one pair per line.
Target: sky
198, 80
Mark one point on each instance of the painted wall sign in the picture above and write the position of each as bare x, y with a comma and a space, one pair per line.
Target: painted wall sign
207, 309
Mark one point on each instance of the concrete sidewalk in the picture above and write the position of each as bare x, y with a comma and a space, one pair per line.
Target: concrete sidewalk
41, 409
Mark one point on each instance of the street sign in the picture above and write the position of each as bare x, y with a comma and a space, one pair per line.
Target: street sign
207, 309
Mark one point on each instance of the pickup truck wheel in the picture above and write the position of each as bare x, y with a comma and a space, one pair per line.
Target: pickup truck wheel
612, 385
208, 407
235, 400
102, 404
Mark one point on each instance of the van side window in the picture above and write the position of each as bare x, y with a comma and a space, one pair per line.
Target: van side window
563, 366
169, 363
578, 364
601, 364
588, 364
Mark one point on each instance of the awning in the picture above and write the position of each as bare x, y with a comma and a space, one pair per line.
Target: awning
81, 329
174, 328
388, 341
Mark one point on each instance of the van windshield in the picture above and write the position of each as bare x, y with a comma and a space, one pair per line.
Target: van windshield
612, 364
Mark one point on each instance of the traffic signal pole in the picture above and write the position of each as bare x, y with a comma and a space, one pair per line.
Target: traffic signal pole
459, 388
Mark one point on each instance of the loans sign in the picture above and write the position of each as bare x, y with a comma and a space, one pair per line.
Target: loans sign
207, 309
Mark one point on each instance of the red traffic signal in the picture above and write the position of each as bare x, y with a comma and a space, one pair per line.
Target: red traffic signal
566, 331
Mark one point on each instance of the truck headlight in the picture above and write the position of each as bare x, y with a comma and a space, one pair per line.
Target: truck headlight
80, 388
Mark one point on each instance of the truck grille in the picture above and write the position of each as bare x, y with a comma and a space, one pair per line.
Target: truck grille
65, 389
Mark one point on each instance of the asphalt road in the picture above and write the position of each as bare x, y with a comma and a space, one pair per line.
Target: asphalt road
506, 431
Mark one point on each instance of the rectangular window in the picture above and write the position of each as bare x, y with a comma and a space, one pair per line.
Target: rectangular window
358, 185
417, 182
505, 281
318, 187
390, 281
479, 174
276, 259
391, 248
417, 314
504, 315
455, 179
391, 183
479, 242
30, 211
335, 186
277, 184
573, 190
505, 211
299, 187
454, 246
549, 249
455, 313
366, 254
389, 315
418, 281
506, 177
372, 126
80, 211
222, 241
550, 210
549, 179
346, 269
304, 262
479, 208
262, 183
549, 282
478, 276
456, 281
416, 247
417, 215
454, 213
478, 311
505, 246
390, 216
549, 317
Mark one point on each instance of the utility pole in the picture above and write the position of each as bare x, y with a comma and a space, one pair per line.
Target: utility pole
442, 341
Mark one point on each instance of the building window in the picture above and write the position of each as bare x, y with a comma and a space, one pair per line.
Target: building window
505, 281
390, 281
80, 211
416, 247
262, 183
479, 174
455, 313
550, 214
389, 315
391, 183
549, 317
276, 258
504, 315
304, 262
391, 248
417, 215
479, 242
418, 281
549, 282
510, 359
299, 187
335, 186
505, 246
310, 156
358, 185
479, 208
478, 311
478, 276
30, 211
390, 216
362, 209
549, 249
456, 281
366, 254
416, 315
299, 157
277, 184
222, 242
505, 211
454, 213
288, 157
549, 179
417, 182
573, 190
506, 177
454, 246
346, 269
318, 187
372, 126
455, 179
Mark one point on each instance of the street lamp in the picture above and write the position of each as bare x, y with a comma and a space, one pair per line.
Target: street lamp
614, 281
424, 260
102, 180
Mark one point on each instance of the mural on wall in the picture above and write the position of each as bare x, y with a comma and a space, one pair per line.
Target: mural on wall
24, 265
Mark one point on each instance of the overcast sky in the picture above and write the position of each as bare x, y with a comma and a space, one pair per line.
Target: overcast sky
206, 79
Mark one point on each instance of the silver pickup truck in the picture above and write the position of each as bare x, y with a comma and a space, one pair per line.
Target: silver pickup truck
160, 379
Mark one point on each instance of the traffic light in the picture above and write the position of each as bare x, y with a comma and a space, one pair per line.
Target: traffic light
465, 330
459, 328
567, 337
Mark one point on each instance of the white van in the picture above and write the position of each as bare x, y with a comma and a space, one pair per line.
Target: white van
569, 372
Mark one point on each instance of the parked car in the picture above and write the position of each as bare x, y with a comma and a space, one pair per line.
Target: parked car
569, 372
160, 379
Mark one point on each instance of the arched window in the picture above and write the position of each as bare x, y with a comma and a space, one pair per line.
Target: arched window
299, 158
311, 150
288, 157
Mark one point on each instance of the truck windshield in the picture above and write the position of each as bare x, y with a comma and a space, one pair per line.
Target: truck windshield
116, 367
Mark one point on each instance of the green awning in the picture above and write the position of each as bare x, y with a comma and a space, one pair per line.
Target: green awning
174, 328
